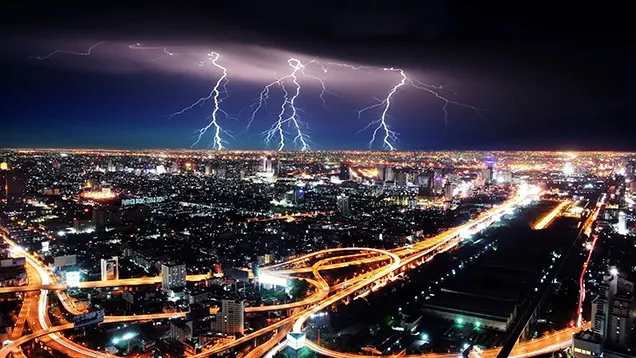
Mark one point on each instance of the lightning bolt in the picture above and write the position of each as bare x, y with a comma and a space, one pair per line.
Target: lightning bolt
389, 136
215, 95
87, 53
167, 53
380, 125
288, 115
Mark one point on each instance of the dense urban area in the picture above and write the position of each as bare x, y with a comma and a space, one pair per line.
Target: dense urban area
309, 254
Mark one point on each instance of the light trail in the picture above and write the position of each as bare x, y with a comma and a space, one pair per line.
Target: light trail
547, 219
587, 229
288, 115
87, 53
419, 253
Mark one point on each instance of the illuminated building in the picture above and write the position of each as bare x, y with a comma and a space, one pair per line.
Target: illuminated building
111, 166
611, 319
448, 192
173, 276
343, 204
103, 194
4, 166
489, 172
230, 318
345, 172
14, 186
296, 341
110, 269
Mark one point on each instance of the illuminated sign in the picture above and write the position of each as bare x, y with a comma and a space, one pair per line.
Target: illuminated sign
272, 280
296, 340
138, 201
45, 246
88, 319
73, 279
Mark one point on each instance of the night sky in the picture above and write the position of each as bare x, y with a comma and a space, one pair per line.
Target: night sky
542, 77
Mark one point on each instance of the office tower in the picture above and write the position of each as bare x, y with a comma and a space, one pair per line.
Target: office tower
448, 192
208, 169
400, 179
611, 320
173, 276
489, 172
14, 186
380, 168
619, 320
389, 174
345, 172
629, 170
110, 268
343, 204
622, 223
230, 318
111, 166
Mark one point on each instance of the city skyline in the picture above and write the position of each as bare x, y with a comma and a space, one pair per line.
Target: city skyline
529, 90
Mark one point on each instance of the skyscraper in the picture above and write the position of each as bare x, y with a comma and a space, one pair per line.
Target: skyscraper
611, 319
489, 172
230, 318
111, 166
14, 186
343, 204
345, 172
173, 276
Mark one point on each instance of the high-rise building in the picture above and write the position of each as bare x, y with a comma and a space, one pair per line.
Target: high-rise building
611, 319
208, 169
448, 192
489, 172
14, 186
380, 168
619, 320
345, 172
400, 179
389, 174
621, 227
266, 164
111, 166
110, 268
230, 318
343, 204
173, 276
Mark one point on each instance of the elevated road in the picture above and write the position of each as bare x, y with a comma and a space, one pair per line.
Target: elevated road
97, 284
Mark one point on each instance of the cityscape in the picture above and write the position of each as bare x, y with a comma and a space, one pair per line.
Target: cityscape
336, 254
310, 179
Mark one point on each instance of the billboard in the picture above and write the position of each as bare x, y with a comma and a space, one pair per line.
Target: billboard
110, 269
272, 280
138, 201
18, 261
73, 279
67, 260
88, 319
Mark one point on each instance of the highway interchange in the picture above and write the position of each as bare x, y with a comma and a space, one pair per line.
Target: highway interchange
42, 281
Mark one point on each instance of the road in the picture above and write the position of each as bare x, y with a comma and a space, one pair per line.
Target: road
97, 284
546, 344
429, 247
400, 259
